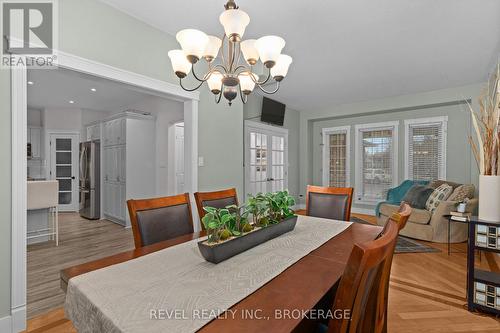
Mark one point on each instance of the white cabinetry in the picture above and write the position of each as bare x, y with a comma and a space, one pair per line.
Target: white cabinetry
94, 132
129, 162
35, 139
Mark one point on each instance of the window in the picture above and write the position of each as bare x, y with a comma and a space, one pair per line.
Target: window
425, 148
336, 156
376, 160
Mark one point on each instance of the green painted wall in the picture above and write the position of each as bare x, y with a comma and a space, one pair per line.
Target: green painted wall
93, 30
461, 166
458, 150
252, 111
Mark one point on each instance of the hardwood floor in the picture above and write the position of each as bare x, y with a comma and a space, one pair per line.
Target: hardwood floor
80, 240
427, 294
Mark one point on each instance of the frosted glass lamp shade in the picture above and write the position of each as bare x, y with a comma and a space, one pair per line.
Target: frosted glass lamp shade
250, 51
280, 69
234, 22
215, 82
212, 48
193, 43
269, 48
246, 83
180, 64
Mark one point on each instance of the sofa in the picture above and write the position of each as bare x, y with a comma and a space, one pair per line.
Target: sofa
422, 224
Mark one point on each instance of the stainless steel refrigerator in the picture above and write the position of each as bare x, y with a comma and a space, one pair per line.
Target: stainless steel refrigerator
90, 180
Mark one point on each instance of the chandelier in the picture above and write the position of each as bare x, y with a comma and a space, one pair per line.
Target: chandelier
229, 75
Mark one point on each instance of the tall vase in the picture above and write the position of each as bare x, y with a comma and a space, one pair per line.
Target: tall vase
489, 198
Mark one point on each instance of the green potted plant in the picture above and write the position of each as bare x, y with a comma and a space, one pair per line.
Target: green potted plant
230, 231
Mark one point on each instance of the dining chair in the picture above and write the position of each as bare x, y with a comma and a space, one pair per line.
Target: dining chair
329, 202
216, 199
362, 277
400, 218
158, 219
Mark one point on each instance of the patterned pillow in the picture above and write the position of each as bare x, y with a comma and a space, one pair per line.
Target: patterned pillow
462, 192
440, 194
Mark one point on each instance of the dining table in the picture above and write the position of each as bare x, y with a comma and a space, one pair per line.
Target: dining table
279, 305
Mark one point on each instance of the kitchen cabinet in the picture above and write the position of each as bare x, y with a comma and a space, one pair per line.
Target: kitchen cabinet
94, 132
35, 139
129, 168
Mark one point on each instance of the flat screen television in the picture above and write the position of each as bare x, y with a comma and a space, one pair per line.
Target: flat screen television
273, 112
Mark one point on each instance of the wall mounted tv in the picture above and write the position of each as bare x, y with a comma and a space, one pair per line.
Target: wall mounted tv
272, 112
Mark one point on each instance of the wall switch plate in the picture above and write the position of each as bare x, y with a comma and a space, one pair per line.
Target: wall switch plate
201, 161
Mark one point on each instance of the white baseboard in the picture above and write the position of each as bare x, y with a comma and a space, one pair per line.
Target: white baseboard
18, 320
6, 324
364, 211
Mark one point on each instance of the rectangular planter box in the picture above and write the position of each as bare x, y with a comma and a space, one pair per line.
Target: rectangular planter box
220, 252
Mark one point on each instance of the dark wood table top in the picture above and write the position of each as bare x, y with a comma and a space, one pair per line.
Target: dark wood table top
300, 287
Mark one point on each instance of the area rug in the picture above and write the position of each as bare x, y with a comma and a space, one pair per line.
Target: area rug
404, 244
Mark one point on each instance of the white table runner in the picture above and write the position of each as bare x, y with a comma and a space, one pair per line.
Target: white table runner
176, 290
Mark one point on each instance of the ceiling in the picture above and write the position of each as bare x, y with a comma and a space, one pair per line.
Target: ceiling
354, 50
55, 88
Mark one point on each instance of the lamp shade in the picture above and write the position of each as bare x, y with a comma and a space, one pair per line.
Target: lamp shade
250, 51
212, 48
280, 69
269, 48
215, 82
180, 64
246, 83
234, 21
193, 43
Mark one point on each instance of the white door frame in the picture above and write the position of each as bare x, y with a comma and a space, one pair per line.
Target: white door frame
19, 163
249, 124
76, 173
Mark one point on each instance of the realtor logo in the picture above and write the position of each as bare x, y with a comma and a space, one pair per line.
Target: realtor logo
29, 33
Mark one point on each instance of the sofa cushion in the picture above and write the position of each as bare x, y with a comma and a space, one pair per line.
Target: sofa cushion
419, 216
436, 183
462, 192
440, 194
417, 196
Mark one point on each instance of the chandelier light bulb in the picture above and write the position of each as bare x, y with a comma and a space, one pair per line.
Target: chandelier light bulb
246, 83
250, 52
269, 48
234, 22
193, 43
180, 64
212, 48
215, 82
280, 69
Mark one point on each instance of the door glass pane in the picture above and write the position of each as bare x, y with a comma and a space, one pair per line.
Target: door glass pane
64, 198
65, 184
63, 171
63, 158
63, 144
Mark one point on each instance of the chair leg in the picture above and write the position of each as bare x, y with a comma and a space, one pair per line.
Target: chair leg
56, 211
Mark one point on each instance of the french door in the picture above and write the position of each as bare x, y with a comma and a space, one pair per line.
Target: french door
266, 158
64, 168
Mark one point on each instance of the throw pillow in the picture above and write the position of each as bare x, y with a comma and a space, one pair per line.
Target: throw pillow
417, 196
440, 194
462, 192
436, 183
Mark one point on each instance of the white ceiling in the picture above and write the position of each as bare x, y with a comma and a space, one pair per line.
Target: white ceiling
354, 50
55, 88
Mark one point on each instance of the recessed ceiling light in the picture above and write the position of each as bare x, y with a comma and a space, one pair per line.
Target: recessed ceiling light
31, 83
93, 89
71, 102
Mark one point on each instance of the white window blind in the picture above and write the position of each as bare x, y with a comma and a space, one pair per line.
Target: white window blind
426, 149
376, 160
336, 156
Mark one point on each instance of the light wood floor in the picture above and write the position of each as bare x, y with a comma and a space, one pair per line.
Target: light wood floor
427, 294
80, 240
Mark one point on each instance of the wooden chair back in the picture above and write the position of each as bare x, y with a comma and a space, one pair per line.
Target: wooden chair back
158, 219
217, 199
363, 275
329, 202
